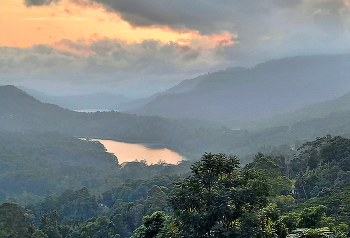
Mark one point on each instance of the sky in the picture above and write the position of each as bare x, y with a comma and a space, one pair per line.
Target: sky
140, 47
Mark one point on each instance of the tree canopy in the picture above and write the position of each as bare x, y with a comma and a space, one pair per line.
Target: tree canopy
217, 200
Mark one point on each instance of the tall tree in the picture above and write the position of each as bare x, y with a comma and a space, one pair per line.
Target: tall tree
219, 198
15, 221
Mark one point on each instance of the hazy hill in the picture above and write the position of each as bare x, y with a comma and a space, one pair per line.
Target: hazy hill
268, 89
20, 111
313, 111
102, 100
185, 86
133, 104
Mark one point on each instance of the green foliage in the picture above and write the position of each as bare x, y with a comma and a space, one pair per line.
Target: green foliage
170, 228
268, 217
217, 197
284, 201
98, 227
345, 198
312, 217
267, 166
290, 220
157, 199
328, 167
72, 205
157, 225
39, 234
341, 230
315, 233
49, 224
15, 221
32, 163
151, 226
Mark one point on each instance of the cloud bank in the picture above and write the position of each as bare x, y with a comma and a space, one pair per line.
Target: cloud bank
260, 29
260, 25
107, 62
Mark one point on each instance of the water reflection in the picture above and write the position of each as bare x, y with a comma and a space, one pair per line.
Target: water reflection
127, 152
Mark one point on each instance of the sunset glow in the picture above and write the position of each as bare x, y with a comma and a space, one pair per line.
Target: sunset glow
138, 48
127, 152
67, 20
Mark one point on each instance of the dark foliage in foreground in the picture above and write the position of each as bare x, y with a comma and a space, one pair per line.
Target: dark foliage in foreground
218, 199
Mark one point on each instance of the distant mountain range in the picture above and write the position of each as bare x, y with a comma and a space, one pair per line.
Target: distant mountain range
331, 115
309, 112
98, 101
22, 113
242, 94
238, 95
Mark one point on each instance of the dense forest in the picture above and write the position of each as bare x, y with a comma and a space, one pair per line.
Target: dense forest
276, 182
216, 196
21, 112
32, 163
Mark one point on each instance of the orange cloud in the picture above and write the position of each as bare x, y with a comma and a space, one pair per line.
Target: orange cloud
81, 20
224, 39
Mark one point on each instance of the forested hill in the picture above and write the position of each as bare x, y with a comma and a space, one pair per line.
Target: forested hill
35, 163
217, 198
32, 163
268, 89
102, 100
310, 112
21, 112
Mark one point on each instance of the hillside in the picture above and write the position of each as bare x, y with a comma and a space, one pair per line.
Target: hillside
103, 100
32, 163
21, 112
268, 89
313, 111
184, 86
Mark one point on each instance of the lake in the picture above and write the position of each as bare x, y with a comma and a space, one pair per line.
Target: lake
92, 110
128, 152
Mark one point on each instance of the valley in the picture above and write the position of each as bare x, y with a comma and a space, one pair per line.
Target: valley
137, 168
174, 119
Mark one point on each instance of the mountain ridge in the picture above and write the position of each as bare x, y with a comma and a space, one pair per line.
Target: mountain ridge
313, 111
270, 88
100, 100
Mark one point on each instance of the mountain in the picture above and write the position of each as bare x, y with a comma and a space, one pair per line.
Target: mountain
184, 86
309, 112
187, 85
271, 88
102, 100
133, 104
20, 111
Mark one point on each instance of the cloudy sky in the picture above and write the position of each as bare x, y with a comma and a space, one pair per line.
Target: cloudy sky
138, 47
